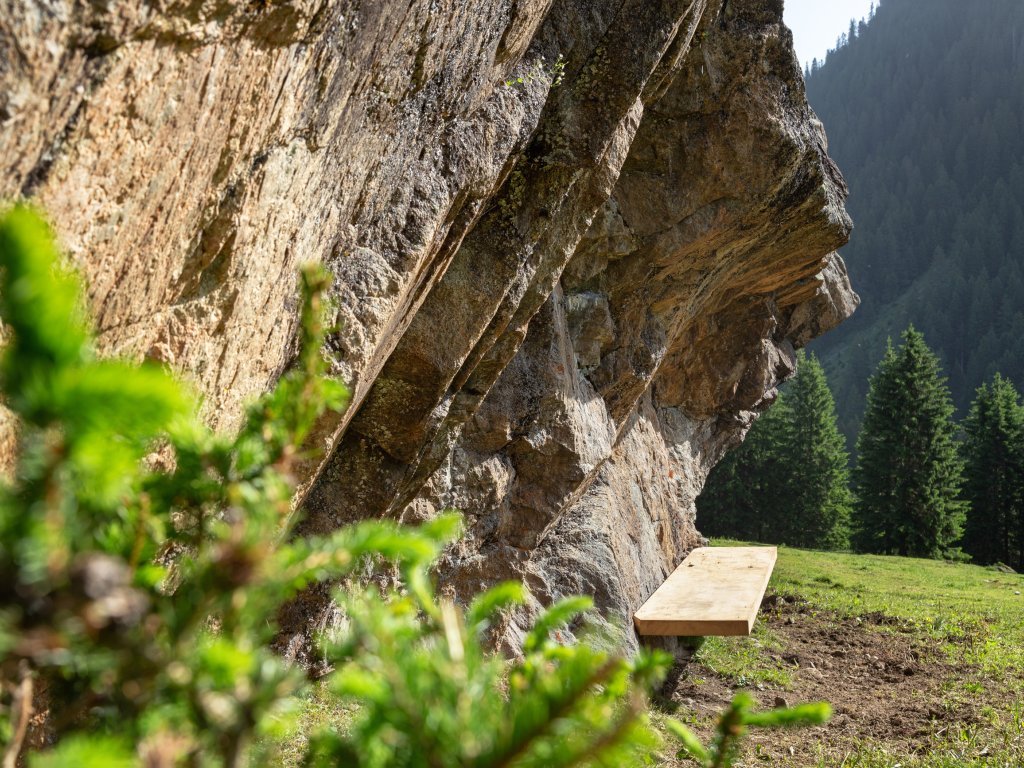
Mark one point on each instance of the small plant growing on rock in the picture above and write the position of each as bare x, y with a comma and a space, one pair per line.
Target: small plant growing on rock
539, 71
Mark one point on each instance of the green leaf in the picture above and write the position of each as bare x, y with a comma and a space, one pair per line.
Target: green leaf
81, 751
804, 714
223, 662
651, 665
562, 612
355, 683
493, 600
691, 744
444, 528
117, 398
39, 303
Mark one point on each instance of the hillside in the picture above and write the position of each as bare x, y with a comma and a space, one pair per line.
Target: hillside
925, 113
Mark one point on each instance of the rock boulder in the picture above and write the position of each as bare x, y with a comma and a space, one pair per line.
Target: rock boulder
575, 245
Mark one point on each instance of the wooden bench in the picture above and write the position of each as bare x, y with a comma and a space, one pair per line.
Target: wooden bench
714, 591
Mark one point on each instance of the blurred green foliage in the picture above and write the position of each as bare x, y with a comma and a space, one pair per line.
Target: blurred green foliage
733, 724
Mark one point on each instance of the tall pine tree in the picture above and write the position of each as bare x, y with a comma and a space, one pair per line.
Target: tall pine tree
994, 475
819, 501
909, 472
743, 494
787, 483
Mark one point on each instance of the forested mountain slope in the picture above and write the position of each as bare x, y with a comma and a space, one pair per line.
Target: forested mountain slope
925, 111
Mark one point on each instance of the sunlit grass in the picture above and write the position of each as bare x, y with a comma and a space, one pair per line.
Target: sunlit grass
959, 747
318, 710
975, 613
973, 618
746, 660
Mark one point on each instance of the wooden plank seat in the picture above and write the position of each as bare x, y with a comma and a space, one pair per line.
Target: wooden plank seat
714, 591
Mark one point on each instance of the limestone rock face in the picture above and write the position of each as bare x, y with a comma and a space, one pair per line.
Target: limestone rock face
575, 245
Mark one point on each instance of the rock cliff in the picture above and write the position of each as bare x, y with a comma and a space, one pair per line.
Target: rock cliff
575, 245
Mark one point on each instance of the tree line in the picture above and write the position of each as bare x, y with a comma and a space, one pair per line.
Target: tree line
922, 485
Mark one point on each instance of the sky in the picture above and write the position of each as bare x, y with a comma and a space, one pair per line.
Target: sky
817, 23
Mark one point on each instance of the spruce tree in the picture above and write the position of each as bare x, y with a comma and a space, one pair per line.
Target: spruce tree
994, 475
788, 482
818, 499
908, 472
743, 494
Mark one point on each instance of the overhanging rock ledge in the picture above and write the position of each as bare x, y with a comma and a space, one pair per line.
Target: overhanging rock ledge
575, 243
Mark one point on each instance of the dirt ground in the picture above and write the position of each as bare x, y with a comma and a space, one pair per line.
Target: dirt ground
886, 688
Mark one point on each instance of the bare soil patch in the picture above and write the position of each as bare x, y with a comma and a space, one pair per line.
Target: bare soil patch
887, 685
